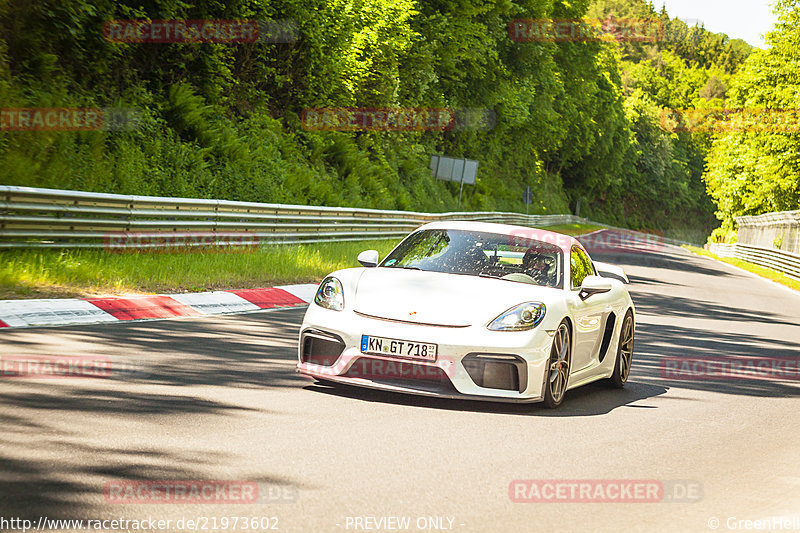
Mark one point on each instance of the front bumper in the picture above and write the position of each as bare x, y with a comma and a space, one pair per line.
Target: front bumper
472, 361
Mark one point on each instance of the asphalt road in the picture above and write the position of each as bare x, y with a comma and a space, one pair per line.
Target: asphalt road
217, 398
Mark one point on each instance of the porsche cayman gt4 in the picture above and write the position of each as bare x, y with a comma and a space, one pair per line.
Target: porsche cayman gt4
476, 311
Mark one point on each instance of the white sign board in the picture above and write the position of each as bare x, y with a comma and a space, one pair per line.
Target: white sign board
451, 169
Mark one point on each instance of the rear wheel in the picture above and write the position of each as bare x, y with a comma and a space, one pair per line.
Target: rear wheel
622, 367
558, 369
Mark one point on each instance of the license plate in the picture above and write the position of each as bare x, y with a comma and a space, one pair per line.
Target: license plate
398, 348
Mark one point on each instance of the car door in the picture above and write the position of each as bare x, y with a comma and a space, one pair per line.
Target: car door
589, 314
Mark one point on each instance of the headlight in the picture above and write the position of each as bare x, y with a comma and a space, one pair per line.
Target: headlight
519, 318
330, 294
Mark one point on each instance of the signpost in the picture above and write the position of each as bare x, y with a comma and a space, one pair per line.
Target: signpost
458, 170
527, 197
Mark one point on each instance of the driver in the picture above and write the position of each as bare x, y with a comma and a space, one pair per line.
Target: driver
535, 264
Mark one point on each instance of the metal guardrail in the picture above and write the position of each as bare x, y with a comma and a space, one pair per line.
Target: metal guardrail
52, 218
771, 230
785, 262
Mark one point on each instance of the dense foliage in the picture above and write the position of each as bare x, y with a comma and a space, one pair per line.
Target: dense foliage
578, 122
752, 172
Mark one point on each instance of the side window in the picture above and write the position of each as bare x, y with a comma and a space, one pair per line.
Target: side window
580, 266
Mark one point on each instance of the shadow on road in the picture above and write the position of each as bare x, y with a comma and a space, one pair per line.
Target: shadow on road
707, 330
173, 358
658, 256
656, 344
250, 350
662, 305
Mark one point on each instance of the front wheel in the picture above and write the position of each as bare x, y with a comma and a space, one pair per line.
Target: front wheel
622, 366
558, 369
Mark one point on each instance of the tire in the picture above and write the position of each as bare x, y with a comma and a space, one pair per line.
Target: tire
624, 359
555, 384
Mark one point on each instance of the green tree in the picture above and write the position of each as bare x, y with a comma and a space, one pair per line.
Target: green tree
756, 172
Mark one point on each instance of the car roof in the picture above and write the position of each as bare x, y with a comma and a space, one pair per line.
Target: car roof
565, 242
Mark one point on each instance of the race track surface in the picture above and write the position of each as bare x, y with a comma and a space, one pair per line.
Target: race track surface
217, 398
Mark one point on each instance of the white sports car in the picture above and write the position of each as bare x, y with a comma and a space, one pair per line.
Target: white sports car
476, 311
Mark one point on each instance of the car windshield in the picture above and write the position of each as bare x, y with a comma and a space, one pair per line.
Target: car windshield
474, 253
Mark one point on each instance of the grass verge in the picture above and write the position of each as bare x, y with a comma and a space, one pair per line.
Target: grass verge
574, 229
80, 272
64, 273
764, 272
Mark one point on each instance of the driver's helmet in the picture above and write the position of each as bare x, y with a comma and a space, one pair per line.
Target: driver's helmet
535, 261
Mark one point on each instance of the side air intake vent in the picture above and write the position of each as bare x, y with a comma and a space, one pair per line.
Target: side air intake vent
607, 334
497, 371
321, 348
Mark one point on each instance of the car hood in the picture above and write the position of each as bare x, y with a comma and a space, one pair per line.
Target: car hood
440, 299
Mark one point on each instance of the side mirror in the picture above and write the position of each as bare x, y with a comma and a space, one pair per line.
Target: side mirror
594, 285
369, 258
611, 271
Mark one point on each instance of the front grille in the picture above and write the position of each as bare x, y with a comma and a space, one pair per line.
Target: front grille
321, 348
402, 374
